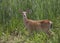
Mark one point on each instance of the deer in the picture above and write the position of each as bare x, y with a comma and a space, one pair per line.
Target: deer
36, 25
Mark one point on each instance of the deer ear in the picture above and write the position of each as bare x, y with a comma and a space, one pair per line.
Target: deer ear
29, 11
20, 10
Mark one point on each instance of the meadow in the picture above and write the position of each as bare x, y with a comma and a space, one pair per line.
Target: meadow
12, 29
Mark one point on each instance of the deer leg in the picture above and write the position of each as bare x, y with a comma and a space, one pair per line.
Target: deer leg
48, 32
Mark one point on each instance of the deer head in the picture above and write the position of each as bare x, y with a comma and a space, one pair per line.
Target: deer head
24, 12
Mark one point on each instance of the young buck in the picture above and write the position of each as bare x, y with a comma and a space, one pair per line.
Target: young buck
32, 25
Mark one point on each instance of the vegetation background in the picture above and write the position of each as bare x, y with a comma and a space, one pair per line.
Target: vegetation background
11, 21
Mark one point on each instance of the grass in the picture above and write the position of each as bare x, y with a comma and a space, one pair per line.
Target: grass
25, 38
11, 22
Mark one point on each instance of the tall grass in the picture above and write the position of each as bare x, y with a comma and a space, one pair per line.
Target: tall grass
11, 19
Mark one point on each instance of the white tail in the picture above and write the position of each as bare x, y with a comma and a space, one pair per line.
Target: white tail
32, 25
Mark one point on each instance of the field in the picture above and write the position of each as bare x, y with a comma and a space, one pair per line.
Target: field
12, 29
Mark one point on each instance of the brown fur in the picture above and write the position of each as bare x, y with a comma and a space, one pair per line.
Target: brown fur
32, 25
43, 25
